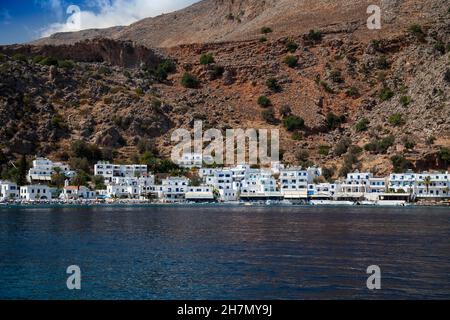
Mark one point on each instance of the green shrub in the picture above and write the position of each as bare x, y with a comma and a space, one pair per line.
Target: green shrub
266, 30
59, 122
386, 94
291, 46
264, 102
336, 76
291, 61
19, 57
327, 87
293, 123
334, 121
139, 91
189, 81
273, 85
444, 155
38, 59
269, 115
324, 150
396, 119
380, 146
352, 92
417, 31
285, 111
49, 61
447, 75
408, 143
405, 100
66, 64
217, 71
206, 58
314, 36
362, 125
342, 146
439, 47
400, 164
164, 69
81, 149
382, 63
263, 39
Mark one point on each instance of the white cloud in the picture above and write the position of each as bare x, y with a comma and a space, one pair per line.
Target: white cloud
109, 13
5, 17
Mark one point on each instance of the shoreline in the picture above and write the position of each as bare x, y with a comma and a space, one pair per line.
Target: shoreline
5, 206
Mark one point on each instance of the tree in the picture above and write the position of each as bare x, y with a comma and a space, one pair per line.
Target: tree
22, 171
444, 155
427, 183
99, 182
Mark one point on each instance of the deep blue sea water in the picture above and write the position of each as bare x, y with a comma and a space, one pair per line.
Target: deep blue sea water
225, 252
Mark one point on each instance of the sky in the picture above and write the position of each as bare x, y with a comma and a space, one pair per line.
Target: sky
25, 20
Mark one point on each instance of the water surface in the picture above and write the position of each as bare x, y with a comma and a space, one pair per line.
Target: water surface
225, 252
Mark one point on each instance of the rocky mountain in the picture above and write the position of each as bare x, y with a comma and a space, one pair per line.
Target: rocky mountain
233, 20
342, 96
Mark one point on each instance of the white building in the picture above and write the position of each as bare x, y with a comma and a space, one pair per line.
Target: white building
193, 160
75, 193
294, 183
110, 171
432, 185
43, 169
259, 183
402, 182
355, 185
327, 190
8, 191
35, 192
172, 189
200, 194
222, 181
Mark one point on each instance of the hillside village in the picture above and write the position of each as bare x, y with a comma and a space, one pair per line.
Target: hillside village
115, 183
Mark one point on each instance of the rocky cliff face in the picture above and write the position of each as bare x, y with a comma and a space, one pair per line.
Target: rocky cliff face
365, 97
119, 53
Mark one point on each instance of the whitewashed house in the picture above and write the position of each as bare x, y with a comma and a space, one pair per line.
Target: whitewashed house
110, 171
43, 169
432, 185
35, 192
259, 184
355, 185
294, 183
222, 181
402, 182
200, 194
8, 191
75, 193
172, 189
